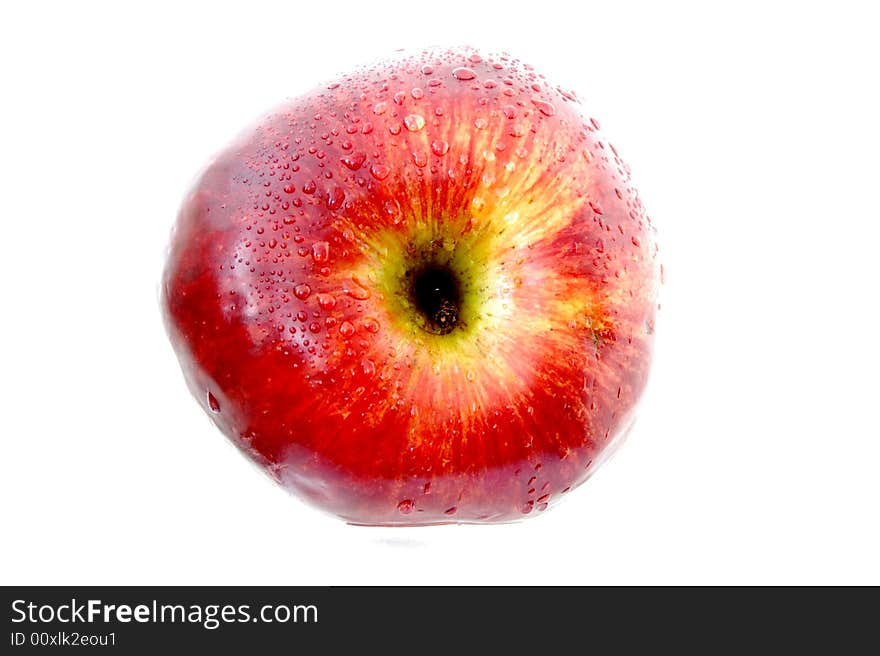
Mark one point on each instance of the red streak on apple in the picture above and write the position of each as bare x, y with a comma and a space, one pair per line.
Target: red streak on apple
422, 294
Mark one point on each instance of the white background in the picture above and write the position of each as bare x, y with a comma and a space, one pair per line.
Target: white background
753, 136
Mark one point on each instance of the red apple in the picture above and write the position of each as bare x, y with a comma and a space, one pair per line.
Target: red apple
421, 294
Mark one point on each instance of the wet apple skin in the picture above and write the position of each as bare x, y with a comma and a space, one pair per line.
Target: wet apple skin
274, 300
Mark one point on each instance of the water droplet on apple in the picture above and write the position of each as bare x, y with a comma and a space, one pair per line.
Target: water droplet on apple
414, 122
213, 403
405, 507
450, 511
380, 108
346, 329
368, 367
399, 97
439, 147
356, 289
420, 159
527, 507
379, 171
480, 123
302, 291
335, 198
463, 73
371, 325
326, 301
354, 161
417, 93
392, 210
547, 109
320, 251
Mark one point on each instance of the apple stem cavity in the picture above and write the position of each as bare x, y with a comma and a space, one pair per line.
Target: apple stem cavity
436, 295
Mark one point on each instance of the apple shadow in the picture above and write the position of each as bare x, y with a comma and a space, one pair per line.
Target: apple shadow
400, 543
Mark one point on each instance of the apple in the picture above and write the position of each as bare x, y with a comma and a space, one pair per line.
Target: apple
421, 294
